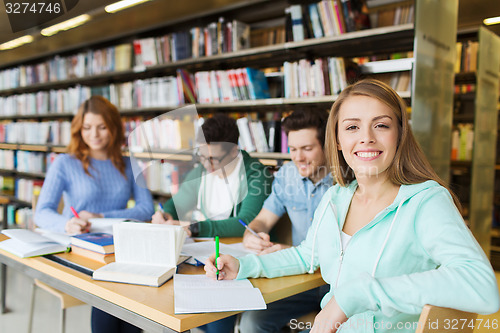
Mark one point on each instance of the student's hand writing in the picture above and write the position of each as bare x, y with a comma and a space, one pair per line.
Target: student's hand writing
85, 215
274, 248
329, 319
228, 267
255, 243
161, 218
77, 226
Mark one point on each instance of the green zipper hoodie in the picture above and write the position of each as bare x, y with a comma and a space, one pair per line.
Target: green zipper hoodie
416, 251
255, 188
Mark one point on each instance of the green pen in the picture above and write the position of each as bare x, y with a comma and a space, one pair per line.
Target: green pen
217, 254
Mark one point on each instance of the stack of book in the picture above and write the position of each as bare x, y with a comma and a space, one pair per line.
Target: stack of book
97, 246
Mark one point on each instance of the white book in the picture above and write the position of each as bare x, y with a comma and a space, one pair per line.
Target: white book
26, 243
145, 254
199, 294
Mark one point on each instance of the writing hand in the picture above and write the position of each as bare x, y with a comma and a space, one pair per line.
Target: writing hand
255, 243
161, 218
329, 319
228, 267
77, 226
274, 248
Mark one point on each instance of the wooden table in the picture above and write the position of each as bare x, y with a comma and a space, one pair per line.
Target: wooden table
149, 308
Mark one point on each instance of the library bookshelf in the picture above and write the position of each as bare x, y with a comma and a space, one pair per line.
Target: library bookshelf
431, 79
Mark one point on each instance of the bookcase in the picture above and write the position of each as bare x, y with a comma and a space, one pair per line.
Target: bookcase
476, 105
431, 39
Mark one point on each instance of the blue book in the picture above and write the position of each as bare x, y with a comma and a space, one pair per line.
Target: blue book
95, 241
257, 83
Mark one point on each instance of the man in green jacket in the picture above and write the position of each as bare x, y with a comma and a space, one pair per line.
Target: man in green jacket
226, 186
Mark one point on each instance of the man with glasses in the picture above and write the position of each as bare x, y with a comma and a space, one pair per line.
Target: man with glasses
226, 186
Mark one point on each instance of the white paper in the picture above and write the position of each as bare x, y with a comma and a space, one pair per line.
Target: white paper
202, 250
199, 294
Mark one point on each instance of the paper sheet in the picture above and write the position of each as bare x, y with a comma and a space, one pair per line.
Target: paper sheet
199, 294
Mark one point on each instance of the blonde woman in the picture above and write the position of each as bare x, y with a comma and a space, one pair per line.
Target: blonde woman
388, 236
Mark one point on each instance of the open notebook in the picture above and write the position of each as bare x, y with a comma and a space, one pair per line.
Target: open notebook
145, 253
198, 294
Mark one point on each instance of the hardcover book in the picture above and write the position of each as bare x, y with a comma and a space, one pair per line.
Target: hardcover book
145, 253
95, 241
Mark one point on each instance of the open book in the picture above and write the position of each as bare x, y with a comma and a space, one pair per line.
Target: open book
145, 253
26, 243
198, 293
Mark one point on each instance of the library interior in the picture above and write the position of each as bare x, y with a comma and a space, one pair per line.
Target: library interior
169, 68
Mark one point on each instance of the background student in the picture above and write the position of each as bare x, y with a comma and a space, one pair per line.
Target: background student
297, 190
97, 181
388, 236
226, 186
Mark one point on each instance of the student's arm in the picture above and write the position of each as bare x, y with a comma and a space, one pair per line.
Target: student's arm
46, 215
262, 224
464, 279
259, 187
291, 261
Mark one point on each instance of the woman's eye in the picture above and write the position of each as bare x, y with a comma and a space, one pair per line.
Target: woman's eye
382, 126
352, 127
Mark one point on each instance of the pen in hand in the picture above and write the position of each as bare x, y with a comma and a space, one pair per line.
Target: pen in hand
74, 212
160, 205
249, 229
217, 254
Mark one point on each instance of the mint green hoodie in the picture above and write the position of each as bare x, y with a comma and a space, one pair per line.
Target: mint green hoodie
417, 251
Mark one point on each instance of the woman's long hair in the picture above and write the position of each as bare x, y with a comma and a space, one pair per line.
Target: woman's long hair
77, 147
409, 166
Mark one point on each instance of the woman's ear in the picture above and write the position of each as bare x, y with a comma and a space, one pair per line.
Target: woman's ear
338, 146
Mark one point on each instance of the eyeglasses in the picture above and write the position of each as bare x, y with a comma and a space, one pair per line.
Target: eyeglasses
213, 160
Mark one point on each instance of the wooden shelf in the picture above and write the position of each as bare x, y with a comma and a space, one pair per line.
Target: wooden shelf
377, 40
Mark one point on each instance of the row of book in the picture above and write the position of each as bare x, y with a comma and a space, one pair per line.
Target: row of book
465, 88
462, 142
161, 176
160, 133
45, 102
38, 133
92, 62
20, 217
466, 56
216, 38
321, 77
24, 188
388, 16
315, 20
169, 91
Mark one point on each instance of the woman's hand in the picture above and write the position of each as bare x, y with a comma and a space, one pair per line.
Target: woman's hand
161, 218
228, 267
329, 319
77, 226
85, 215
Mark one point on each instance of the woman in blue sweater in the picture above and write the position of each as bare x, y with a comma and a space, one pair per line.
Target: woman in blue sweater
97, 181
388, 236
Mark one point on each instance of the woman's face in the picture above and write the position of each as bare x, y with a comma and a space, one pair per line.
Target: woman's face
367, 136
95, 133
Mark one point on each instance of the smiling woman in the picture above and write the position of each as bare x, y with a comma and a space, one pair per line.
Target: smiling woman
387, 237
